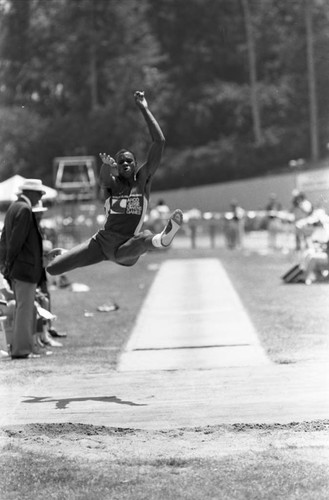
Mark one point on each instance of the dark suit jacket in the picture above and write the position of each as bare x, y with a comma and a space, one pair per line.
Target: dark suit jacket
21, 244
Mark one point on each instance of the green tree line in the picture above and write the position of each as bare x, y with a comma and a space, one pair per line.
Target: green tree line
240, 87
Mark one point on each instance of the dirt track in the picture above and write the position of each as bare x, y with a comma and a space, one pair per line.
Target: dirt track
100, 442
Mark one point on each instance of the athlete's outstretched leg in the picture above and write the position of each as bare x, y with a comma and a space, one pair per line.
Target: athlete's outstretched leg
82, 255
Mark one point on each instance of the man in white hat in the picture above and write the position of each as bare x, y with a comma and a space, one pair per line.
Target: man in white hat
21, 263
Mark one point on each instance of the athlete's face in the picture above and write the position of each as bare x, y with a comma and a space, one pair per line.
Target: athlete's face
126, 164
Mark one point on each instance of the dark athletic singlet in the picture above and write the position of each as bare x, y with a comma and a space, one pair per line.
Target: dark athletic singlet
125, 212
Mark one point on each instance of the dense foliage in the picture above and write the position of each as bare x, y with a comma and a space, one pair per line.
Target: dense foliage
230, 81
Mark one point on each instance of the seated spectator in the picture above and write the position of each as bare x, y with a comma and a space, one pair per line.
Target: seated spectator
314, 263
4, 348
44, 338
44, 326
315, 260
8, 310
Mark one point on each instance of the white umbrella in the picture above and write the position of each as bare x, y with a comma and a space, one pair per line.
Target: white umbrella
10, 187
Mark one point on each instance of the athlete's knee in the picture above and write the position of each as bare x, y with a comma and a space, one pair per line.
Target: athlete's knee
126, 256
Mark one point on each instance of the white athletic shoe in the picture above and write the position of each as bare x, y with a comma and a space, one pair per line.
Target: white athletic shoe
172, 227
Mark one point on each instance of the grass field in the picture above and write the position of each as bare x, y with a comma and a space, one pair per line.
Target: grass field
222, 462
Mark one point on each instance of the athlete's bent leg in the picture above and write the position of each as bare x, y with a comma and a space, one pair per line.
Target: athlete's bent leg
82, 255
129, 252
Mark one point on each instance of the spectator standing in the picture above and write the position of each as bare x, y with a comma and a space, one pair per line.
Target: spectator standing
274, 223
163, 209
158, 216
301, 208
234, 225
21, 264
194, 218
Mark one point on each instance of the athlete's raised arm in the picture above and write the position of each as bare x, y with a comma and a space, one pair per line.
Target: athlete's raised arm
158, 139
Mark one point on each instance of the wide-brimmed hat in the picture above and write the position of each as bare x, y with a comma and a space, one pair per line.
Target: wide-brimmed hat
39, 207
32, 185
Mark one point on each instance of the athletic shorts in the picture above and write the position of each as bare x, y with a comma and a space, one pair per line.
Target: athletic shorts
109, 242
122, 249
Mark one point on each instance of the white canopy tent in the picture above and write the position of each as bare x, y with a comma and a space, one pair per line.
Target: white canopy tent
10, 187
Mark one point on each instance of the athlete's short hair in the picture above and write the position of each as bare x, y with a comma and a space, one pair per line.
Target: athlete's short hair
116, 156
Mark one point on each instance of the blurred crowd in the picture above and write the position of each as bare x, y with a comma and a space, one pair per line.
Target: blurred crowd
301, 228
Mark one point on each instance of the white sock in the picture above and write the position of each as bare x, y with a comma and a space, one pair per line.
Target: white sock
156, 241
